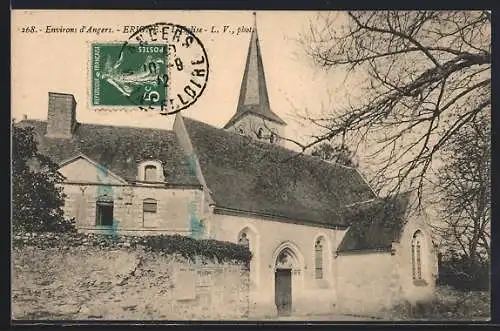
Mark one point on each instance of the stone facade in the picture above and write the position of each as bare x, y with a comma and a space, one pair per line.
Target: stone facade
365, 282
376, 280
86, 282
250, 125
85, 185
309, 295
173, 215
361, 282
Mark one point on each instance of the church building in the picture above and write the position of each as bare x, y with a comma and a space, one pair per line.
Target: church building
322, 240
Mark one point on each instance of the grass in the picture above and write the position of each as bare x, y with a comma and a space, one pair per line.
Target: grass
449, 304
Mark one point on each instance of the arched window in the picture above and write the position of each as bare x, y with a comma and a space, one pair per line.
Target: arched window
149, 210
259, 133
272, 138
244, 241
150, 173
416, 256
318, 259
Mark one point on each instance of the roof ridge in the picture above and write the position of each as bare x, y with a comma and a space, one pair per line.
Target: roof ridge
266, 144
104, 125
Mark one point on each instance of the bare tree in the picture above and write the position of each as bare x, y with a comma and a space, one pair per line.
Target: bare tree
464, 185
339, 154
422, 75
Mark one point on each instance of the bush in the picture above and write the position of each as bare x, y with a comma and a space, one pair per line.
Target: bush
214, 250
449, 304
188, 248
462, 274
36, 198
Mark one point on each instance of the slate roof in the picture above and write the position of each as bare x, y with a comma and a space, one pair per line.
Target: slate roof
244, 175
248, 175
375, 225
119, 149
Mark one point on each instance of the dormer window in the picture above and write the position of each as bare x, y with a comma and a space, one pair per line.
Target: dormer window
150, 171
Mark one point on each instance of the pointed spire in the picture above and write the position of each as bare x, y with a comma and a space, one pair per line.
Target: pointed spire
253, 91
253, 86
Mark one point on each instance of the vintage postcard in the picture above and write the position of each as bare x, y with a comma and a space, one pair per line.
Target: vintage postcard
251, 165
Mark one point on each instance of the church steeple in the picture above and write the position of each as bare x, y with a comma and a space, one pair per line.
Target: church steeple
253, 92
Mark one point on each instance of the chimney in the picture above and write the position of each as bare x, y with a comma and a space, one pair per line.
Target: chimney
61, 118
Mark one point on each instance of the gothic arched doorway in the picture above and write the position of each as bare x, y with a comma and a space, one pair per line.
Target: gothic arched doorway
286, 266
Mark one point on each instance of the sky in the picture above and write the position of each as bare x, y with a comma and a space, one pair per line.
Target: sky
59, 62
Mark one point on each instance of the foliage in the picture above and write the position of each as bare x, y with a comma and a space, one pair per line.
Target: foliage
338, 154
36, 200
422, 75
449, 304
461, 273
189, 248
464, 187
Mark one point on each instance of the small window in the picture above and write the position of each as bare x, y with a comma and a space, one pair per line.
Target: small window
318, 254
104, 213
244, 240
149, 209
150, 173
149, 206
259, 133
272, 139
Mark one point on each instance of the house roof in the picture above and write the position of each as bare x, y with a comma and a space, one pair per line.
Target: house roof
119, 149
248, 175
375, 225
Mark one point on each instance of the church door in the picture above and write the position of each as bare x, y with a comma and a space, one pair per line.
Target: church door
283, 291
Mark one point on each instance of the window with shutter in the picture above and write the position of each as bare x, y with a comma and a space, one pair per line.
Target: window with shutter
149, 212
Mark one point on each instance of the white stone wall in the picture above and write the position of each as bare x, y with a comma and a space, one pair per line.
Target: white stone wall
250, 125
365, 282
309, 295
410, 291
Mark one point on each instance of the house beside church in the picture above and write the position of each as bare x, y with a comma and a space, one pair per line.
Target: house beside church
322, 240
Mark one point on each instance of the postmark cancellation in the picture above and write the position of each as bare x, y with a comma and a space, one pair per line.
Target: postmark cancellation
162, 67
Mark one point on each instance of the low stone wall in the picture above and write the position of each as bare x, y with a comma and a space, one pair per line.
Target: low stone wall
93, 277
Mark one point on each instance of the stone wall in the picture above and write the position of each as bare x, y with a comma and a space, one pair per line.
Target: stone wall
250, 124
367, 283
309, 295
173, 213
91, 279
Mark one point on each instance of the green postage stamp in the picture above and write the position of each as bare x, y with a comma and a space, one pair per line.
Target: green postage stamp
128, 74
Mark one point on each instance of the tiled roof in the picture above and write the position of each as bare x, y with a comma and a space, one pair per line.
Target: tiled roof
247, 175
375, 225
119, 149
